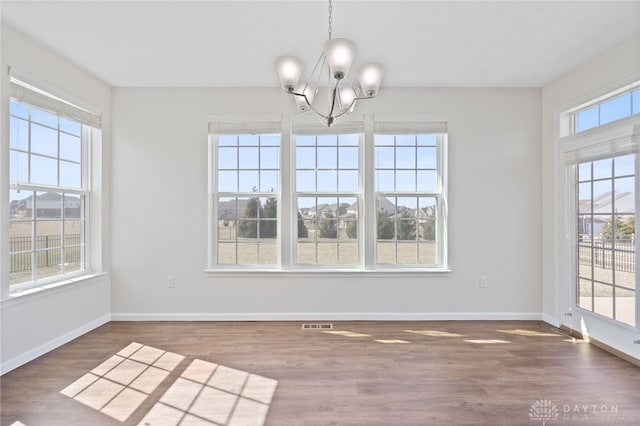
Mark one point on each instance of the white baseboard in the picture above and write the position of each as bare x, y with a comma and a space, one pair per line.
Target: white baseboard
550, 320
34, 353
333, 316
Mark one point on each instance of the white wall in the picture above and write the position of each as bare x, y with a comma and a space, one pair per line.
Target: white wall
609, 71
159, 213
35, 324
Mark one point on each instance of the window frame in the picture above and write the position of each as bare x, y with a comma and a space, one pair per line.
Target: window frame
287, 228
90, 135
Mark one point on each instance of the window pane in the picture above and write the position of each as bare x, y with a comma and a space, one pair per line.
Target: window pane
19, 136
305, 140
405, 180
48, 234
69, 126
305, 158
602, 168
327, 181
385, 158
427, 180
19, 109
73, 258
70, 175
585, 294
248, 181
227, 158
306, 181
270, 140
603, 300
226, 253
624, 165
327, 158
625, 306
348, 181
584, 172
427, 158
269, 158
248, 158
44, 117
268, 254
306, 253
386, 252
70, 147
615, 109
269, 181
248, 253
248, 140
227, 181
327, 253
348, 158
48, 263
327, 140
405, 139
346, 140
636, 101
73, 206
20, 204
587, 119
385, 180
427, 140
227, 140
48, 205
405, 158
44, 140
44, 170
18, 167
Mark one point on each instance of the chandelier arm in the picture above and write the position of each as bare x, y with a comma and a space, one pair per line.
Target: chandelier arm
309, 103
333, 98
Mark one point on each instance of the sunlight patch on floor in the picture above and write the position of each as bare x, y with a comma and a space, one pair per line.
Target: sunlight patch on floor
346, 333
529, 333
119, 385
210, 394
487, 341
435, 333
392, 341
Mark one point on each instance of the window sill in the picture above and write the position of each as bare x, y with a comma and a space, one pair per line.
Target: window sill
339, 273
47, 289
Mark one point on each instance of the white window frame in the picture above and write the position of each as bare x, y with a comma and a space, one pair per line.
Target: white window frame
366, 202
605, 141
91, 183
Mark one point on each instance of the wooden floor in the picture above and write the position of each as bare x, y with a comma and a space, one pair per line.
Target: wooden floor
447, 373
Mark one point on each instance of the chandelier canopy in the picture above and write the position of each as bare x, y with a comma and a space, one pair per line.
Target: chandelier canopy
336, 60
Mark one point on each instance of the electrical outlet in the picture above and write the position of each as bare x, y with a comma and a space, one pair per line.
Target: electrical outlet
484, 283
171, 281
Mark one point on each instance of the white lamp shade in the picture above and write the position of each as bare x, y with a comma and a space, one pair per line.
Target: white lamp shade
289, 70
309, 91
347, 97
370, 77
340, 53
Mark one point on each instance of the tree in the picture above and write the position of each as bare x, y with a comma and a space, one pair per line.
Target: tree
303, 232
406, 226
384, 225
428, 229
625, 229
269, 227
352, 229
248, 224
327, 227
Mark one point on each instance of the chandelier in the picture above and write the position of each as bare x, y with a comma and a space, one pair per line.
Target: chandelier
336, 59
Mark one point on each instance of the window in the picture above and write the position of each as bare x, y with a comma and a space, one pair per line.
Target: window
408, 196
48, 197
609, 110
247, 193
308, 197
606, 247
327, 194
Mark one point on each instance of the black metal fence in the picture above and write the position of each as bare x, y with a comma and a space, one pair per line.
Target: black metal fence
48, 251
606, 253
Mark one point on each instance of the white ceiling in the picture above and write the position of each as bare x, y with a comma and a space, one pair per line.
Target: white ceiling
234, 43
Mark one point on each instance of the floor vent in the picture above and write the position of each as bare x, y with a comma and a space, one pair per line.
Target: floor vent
325, 326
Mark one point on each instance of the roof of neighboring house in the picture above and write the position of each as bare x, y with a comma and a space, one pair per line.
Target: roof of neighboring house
621, 202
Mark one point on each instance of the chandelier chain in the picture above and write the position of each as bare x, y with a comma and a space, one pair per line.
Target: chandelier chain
330, 18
